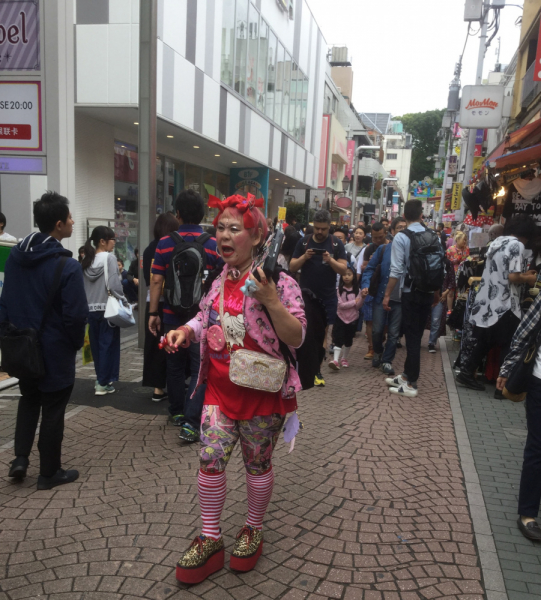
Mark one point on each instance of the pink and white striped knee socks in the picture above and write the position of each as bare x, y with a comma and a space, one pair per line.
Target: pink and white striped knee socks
212, 490
259, 495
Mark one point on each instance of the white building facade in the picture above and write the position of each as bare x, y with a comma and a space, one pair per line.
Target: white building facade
239, 103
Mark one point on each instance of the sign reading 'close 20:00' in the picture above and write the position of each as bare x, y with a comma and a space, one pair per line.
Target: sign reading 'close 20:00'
20, 116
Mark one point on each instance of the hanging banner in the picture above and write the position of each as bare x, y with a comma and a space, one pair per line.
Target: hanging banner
453, 164
351, 156
437, 205
456, 196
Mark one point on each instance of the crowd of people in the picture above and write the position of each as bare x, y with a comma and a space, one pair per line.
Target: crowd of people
223, 334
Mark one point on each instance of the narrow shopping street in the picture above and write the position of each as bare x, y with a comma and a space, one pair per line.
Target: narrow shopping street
374, 502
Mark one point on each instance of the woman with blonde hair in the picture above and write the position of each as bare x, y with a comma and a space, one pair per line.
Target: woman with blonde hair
458, 253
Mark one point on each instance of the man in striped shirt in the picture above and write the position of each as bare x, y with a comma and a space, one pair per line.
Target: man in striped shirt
185, 412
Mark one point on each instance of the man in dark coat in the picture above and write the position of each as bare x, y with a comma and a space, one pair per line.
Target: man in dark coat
29, 276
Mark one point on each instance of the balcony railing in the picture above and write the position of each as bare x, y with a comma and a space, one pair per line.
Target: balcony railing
530, 88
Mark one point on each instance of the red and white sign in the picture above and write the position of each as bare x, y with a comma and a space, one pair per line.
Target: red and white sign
343, 202
478, 150
351, 157
393, 172
323, 152
481, 106
15, 132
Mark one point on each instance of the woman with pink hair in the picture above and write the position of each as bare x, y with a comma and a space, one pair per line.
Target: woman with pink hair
232, 412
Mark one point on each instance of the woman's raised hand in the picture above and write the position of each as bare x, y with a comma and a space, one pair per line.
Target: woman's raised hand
175, 339
266, 289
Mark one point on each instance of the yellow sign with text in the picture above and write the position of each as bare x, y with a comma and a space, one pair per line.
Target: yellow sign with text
437, 205
282, 210
456, 197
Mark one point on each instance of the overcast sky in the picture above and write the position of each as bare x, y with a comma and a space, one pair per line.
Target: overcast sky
404, 51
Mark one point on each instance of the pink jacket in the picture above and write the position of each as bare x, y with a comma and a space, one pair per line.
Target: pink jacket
256, 324
348, 309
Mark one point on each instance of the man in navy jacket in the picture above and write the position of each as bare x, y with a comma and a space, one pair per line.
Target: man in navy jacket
29, 275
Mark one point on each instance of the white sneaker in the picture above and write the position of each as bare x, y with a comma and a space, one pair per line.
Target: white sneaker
404, 390
396, 381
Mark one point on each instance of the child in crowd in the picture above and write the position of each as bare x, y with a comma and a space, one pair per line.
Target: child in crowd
349, 303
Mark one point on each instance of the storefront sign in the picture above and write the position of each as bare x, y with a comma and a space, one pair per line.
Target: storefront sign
323, 152
20, 115
351, 158
456, 196
448, 218
254, 181
481, 106
282, 211
478, 151
479, 136
19, 36
343, 202
393, 173
437, 205
453, 164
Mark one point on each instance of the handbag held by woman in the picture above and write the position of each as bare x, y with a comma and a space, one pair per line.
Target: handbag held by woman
117, 312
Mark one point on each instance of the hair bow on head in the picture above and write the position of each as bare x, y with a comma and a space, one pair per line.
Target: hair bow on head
242, 204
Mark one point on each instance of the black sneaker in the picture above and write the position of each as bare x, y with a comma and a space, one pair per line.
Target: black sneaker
398, 344
469, 381
159, 397
431, 348
530, 530
498, 395
18, 467
188, 434
59, 478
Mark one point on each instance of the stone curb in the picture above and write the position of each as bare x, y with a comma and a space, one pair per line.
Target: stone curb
490, 562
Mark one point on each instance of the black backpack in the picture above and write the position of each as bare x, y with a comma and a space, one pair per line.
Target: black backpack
183, 287
427, 261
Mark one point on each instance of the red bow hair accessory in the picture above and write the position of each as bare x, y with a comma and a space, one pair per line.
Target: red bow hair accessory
242, 204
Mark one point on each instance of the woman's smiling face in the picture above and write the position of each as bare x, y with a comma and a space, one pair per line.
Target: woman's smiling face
235, 243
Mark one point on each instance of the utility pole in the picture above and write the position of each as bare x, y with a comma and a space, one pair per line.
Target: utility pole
148, 41
468, 170
445, 176
355, 184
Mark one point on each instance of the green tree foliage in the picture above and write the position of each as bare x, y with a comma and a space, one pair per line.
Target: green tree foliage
424, 128
296, 210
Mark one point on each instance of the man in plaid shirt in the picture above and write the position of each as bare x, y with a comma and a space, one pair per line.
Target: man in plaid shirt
530, 482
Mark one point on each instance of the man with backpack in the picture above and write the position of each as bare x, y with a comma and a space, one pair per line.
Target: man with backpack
319, 257
417, 266
44, 292
178, 270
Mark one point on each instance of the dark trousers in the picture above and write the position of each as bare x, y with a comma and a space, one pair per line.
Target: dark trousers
180, 400
416, 307
105, 346
154, 359
51, 433
393, 320
500, 334
529, 495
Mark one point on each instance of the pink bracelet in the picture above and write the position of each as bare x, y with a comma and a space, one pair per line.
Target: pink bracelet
186, 343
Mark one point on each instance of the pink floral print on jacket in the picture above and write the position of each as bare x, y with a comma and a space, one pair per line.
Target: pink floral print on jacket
256, 324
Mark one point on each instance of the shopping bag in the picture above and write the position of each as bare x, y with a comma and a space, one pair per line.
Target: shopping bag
87, 352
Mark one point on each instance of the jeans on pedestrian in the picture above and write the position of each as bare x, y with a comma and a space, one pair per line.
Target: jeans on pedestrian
105, 346
529, 495
435, 323
393, 319
180, 400
415, 308
51, 432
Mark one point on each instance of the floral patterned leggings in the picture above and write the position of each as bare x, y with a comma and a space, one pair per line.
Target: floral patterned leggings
219, 434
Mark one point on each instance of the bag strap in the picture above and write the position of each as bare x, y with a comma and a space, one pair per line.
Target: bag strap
106, 274
57, 277
203, 238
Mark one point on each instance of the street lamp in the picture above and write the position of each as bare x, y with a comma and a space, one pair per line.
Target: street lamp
345, 184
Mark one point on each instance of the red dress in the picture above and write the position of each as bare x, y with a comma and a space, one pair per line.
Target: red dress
235, 401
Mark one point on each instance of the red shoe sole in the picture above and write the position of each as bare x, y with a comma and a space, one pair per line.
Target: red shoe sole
191, 576
246, 564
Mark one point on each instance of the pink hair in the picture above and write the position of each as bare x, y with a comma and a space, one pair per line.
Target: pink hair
258, 216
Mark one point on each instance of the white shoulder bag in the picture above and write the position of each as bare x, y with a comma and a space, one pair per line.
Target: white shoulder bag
117, 312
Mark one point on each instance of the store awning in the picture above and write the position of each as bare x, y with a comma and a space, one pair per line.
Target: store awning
520, 158
528, 136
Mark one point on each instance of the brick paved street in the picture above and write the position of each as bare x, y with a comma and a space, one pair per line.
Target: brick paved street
371, 504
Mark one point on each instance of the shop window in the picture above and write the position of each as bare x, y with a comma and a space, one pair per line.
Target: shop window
126, 172
304, 105
241, 50
228, 42
271, 76
209, 187
193, 178
160, 186
174, 182
262, 59
294, 118
286, 91
278, 96
252, 62
392, 156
